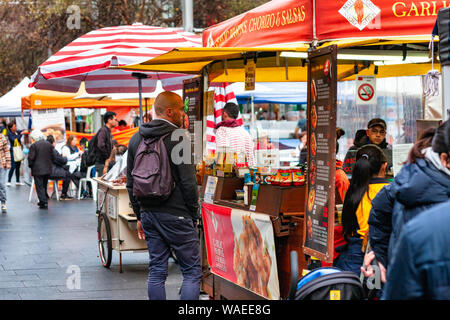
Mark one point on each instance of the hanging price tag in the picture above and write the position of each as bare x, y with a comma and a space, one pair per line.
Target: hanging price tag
250, 75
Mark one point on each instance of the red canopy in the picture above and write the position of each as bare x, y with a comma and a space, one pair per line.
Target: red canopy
282, 21
375, 18
292, 21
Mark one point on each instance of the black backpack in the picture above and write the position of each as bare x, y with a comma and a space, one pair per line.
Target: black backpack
152, 175
92, 152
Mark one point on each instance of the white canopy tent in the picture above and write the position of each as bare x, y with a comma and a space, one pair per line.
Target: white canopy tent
11, 102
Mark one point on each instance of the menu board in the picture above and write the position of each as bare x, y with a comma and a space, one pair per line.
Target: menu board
320, 205
193, 106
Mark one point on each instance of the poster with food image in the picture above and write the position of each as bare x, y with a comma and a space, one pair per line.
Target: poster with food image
313, 116
313, 91
312, 169
51, 122
241, 248
313, 144
321, 164
311, 198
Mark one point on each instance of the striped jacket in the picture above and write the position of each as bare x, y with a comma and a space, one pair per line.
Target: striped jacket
236, 139
5, 154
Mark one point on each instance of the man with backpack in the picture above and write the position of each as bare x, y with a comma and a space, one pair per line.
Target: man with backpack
102, 141
164, 196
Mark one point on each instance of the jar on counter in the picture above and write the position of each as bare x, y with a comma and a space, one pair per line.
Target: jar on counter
298, 178
285, 177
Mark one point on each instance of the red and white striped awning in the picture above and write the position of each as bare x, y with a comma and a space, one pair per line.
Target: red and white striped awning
88, 58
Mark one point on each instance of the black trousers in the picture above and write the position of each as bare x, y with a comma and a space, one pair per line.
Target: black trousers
15, 167
41, 183
66, 181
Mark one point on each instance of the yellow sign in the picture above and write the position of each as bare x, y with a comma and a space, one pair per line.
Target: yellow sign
335, 295
250, 75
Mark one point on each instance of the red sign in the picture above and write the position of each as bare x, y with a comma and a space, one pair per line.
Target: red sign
282, 21
290, 21
366, 92
241, 248
339, 19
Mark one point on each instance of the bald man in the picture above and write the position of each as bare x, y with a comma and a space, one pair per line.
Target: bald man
171, 223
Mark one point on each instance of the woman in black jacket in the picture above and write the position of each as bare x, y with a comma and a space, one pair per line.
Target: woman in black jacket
14, 137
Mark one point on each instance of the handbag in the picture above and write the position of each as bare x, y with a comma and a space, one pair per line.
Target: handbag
18, 152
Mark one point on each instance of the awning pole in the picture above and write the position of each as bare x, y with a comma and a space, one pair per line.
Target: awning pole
253, 113
140, 76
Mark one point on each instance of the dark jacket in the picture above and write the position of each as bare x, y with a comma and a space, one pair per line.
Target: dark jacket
184, 199
83, 162
40, 158
104, 145
420, 267
303, 158
417, 187
350, 157
59, 167
14, 136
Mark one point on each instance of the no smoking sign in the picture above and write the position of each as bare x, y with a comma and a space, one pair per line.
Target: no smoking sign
365, 90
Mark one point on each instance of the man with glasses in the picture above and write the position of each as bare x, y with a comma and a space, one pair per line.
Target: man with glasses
375, 134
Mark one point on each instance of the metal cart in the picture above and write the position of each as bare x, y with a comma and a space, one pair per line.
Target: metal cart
117, 224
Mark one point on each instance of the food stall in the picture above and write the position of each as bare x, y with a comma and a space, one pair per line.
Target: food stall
244, 259
235, 198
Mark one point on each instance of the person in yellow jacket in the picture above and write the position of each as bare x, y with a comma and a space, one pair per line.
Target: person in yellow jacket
368, 179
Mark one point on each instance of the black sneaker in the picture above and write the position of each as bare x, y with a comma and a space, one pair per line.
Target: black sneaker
66, 197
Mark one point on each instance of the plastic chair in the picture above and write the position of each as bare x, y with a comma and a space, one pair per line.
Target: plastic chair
33, 188
84, 181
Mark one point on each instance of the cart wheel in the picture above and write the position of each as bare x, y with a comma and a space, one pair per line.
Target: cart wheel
104, 240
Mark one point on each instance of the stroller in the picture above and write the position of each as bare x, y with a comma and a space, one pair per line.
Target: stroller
324, 284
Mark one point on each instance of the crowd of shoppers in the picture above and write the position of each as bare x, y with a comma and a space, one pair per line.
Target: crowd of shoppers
68, 163
404, 221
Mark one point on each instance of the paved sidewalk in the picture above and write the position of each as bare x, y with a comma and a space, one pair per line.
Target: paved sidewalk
38, 246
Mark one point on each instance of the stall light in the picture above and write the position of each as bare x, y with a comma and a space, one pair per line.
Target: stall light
367, 55
380, 55
298, 55
408, 60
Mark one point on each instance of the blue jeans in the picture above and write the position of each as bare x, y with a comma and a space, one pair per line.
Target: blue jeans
351, 257
3, 173
162, 232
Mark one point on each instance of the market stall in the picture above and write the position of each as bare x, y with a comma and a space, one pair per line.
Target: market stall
234, 201
382, 39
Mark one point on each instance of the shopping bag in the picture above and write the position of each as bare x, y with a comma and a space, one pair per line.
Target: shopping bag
18, 152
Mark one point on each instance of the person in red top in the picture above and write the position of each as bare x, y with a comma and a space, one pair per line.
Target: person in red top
342, 183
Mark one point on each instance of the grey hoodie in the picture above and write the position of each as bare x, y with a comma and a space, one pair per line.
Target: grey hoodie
184, 199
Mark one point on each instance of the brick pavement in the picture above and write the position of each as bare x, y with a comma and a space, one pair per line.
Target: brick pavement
37, 247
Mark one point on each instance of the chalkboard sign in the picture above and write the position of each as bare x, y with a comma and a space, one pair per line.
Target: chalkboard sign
320, 203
